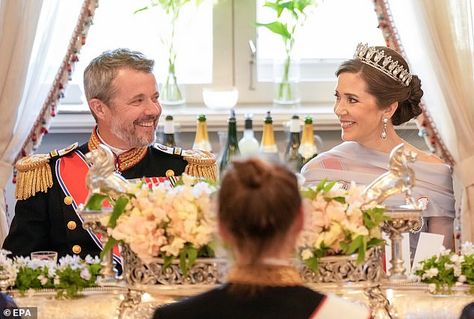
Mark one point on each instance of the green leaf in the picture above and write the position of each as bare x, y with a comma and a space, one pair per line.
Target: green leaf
119, 208
361, 251
309, 193
274, 6
95, 201
167, 260
278, 28
354, 245
182, 262
373, 217
208, 250
340, 199
108, 246
321, 184
328, 186
191, 256
374, 242
312, 263
141, 9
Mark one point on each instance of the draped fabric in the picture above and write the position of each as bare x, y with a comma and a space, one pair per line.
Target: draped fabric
351, 161
438, 38
34, 36
18, 24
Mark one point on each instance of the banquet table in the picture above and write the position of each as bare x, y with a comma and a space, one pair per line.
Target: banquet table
409, 300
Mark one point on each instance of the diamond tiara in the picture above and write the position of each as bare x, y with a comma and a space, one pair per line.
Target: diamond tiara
382, 62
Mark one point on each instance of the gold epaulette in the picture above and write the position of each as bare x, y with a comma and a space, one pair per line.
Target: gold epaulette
34, 173
200, 164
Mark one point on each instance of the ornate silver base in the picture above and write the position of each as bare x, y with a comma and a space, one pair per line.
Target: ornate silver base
401, 220
340, 269
204, 271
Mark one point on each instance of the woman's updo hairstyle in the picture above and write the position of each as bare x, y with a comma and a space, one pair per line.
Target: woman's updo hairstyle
257, 204
387, 90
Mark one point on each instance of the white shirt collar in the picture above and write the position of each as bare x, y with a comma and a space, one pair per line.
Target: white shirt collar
117, 151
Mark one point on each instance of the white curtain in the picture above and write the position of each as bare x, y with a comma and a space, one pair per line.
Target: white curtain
34, 35
438, 38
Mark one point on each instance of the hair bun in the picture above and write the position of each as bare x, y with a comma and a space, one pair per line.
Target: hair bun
416, 93
251, 174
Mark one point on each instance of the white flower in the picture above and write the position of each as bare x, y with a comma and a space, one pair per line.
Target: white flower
444, 251
90, 260
51, 272
430, 273
72, 261
457, 271
432, 288
306, 254
188, 180
462, 279
85, 274
419, 266
57, 280
467, 248
43, 280
174, 248
456, 259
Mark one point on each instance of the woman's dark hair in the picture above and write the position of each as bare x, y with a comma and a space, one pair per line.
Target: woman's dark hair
258, 203
387, 90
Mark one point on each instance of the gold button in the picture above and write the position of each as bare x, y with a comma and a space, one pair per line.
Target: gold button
68, 200
76, 249
169, 173
71, 225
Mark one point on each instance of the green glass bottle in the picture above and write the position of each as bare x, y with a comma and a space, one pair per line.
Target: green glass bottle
168, 131
231, 150
308, 148
293, 158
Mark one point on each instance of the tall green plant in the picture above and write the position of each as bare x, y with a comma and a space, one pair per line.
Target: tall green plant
172, 8
290, 17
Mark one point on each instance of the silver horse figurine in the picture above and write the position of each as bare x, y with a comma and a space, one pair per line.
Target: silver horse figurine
102, 177
399, 178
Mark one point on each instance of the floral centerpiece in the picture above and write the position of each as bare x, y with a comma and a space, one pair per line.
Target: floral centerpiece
68, 277
448, 269
338, 223
170, 222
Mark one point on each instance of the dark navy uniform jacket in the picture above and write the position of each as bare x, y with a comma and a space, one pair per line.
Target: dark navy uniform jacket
46, 221
288, 302
295, 302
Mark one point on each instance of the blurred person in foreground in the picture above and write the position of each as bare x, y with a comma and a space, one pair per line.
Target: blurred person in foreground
260, 216
375, 92
468, 311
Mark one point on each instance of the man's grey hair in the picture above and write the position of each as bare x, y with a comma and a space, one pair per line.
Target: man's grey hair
101, 71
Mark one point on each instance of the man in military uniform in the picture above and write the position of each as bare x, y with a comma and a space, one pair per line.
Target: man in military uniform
122, 94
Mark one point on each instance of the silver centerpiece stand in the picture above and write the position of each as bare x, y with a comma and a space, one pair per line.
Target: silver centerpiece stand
103, 179
205, 271
399, 179
92, 222
402, 219
346, 269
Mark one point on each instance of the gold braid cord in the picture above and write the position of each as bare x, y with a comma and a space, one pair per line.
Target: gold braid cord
265, 275
200, 164
34, 175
